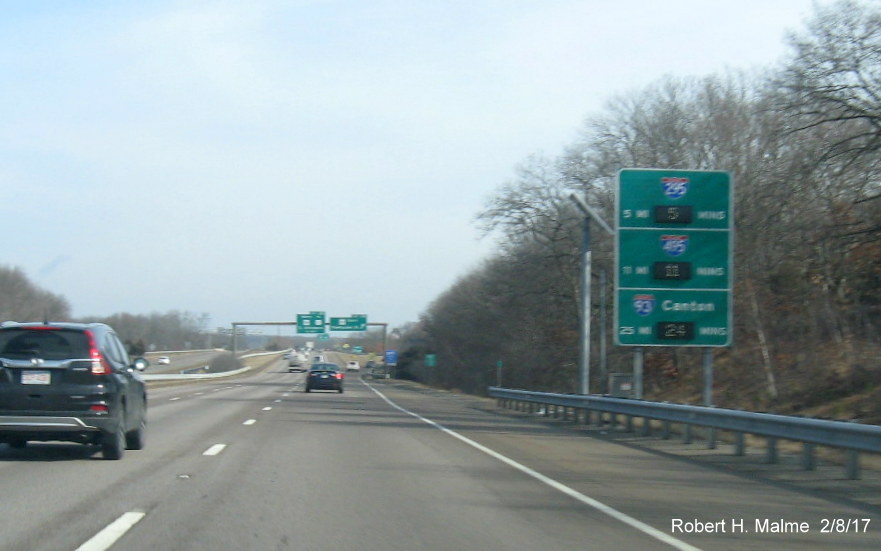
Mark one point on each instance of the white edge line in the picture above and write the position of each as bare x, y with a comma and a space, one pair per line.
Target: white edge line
250, 422
559, 486
115, 530
214, 450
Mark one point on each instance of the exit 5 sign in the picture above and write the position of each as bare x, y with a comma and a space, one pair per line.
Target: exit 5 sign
673, 258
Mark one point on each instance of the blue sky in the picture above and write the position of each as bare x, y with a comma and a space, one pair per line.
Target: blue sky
255, 160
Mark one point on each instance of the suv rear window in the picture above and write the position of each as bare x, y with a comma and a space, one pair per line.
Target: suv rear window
47, 344
324, 367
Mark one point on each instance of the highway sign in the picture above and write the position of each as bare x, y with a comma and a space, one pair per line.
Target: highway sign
355, 322
313, 322
673, 258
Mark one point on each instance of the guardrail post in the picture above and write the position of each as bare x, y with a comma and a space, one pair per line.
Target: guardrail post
711, 438
665, 431
771, 456
628, 427
586, 416
853, 464
686, 434
808, 460
646, 426
739, 444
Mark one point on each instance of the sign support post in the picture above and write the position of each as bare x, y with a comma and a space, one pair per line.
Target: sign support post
584, 349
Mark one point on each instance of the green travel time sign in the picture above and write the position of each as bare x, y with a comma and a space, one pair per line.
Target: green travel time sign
673, 318
673, 258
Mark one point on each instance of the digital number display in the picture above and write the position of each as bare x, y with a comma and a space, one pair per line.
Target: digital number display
675, 330
678, 271
669, 214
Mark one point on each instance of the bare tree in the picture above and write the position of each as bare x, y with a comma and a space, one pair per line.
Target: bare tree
834, 78
22, 300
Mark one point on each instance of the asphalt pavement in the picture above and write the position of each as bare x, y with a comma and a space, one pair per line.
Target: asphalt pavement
256, 463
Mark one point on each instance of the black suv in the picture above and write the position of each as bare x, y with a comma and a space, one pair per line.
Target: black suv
72, 382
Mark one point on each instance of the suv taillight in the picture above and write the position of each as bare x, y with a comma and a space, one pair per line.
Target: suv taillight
99, 363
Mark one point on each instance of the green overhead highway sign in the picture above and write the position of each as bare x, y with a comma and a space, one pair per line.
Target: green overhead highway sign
355, 322
673, 258
313, 322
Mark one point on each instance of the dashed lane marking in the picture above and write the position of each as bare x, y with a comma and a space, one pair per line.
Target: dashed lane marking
115, 530
214, 450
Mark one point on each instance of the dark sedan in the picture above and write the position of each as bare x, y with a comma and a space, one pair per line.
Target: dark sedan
324, 376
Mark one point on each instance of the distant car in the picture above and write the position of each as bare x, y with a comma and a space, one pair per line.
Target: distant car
324, 376
353, 366
319, 359
297, 362
163, 360
72, 382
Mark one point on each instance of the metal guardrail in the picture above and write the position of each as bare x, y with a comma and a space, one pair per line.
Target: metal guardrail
188, 375
852, 437
192, 376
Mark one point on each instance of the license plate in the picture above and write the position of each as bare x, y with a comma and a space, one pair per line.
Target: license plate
325, 376
35, 377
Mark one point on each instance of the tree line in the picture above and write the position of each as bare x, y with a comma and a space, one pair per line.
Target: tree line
23, 301
801, 140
